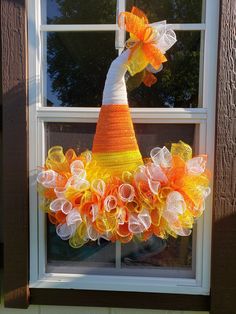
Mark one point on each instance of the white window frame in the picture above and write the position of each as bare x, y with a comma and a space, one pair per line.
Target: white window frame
203, 117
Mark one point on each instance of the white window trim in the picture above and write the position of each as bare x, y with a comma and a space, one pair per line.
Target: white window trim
203, 117
110, 27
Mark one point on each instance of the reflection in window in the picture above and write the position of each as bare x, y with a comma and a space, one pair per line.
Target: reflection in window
174, 11
89, 255
92, 257
77, 64
156, 252
79, 136
178, 83
104, 11
80, 11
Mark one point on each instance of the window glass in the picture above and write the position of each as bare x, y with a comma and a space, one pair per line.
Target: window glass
76, 67
77, 63
174, 11
104, 11
173, 254
155, 252
178, 83
80, 11
92, 255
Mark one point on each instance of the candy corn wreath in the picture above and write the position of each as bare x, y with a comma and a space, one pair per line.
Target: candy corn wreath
111, 192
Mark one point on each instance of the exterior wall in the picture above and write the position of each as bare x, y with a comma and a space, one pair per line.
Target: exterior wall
1, 207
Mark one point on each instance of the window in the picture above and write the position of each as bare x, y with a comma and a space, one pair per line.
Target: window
71, 45
15, 64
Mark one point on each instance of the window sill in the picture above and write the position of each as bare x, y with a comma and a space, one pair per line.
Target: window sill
120, 284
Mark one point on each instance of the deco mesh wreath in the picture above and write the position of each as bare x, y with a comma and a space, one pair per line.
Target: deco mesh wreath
111, 192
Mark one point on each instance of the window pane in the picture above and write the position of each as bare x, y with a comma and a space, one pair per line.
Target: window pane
155, 252
174, 11
153, 256
79, 136
91, 255
178, 83
77, 63
59, 253
79, 11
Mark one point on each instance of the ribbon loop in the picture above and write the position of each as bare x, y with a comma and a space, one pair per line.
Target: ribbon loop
78, 183
76, 167
60, 192
126, 192
47, 178
196, 165
73, 217
121, 216
182, 150
165, 36
161, 157
61, 204
110, 203
145, 218
94, 212
175, 203
99, 186
154, 186
155, 173
139, 223
64, 231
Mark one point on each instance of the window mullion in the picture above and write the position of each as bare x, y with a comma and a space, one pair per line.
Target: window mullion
42, 245
110, 27
120, 33
144, 115
118, 255
201, 70
78, 27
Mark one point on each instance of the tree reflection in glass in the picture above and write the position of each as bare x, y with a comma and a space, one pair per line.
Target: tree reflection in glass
81, 11
174, 11
77, 62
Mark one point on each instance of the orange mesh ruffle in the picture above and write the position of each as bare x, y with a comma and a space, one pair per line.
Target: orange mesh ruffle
86, 201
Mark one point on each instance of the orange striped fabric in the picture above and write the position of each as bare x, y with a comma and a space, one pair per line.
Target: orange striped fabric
115, 146
115, 131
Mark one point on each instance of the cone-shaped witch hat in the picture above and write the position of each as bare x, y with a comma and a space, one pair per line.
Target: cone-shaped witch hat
115, 146
111, 192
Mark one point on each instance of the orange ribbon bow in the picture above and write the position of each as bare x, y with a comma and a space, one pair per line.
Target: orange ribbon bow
142, 41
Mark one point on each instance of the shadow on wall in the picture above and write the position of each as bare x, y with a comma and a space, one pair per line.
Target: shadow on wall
1, 207
224, 235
